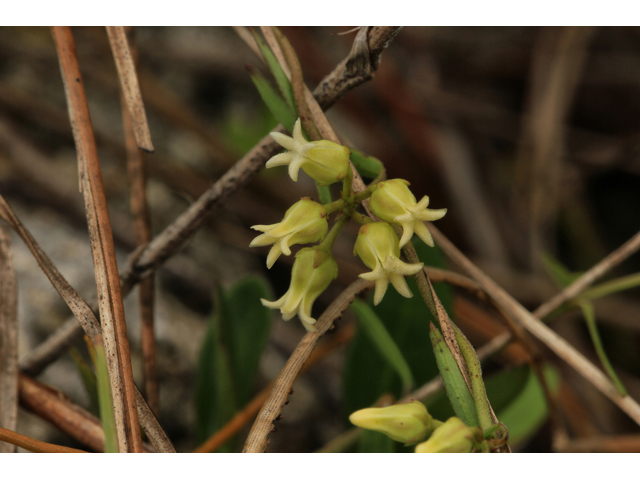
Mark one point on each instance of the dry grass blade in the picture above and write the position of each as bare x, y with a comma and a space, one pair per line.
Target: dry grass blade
32, 444
142, 229
86, 319
55, 408
257, 440
533, 325
130, 87
102, 248
8, 340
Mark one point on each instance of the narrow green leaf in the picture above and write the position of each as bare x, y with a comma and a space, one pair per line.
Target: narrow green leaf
375, 442
88, 380
104, 398
528, 410
277, 72
245, 328
215, 395
590, 317
613, 286
367, 166
558, 272
274, 102
454, 384
379, 336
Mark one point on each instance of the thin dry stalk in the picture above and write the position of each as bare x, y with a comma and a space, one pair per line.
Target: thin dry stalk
142, 229
86, 318
257, 440
32, 444
8, 340
245, 415
58, 410
532, 324
102, 248
602, 444
130, 87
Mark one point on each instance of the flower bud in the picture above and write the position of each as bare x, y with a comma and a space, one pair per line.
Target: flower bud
304, 222
393, 202
452, 437
377, 246
324, 161
408, 423
313, 271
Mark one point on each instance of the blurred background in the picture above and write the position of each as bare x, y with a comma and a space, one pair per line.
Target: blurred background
529, 136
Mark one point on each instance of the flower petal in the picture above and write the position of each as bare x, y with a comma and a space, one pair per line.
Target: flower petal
382, 284
423, 232
284, 140
400, 284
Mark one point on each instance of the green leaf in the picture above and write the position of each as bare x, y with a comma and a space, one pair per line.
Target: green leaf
230, 354
375, 442
528, 410
278, 73
367, 166
454, 384
371, 324
88, 379
367, 375
246, 328
277, 106
558, 272
104, 398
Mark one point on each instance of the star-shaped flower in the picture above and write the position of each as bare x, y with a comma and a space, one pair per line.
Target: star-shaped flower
304, 222
313, 271
393, 202
377, 246
324, 161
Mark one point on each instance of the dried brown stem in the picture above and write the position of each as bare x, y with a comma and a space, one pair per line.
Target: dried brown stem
249, 412
102, 248
130, 87
136, 170
32, 444
257, 440
532, 324
8, 340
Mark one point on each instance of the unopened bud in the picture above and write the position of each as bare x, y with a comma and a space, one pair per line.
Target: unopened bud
451, 437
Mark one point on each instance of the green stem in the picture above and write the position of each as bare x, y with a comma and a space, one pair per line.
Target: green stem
324, 194
475, 375
347, 186
421, 278
589, 316
360, 218
334, 206
328, 241
613, 286
366, 193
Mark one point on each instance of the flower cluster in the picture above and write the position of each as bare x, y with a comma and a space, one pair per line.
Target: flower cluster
306, 221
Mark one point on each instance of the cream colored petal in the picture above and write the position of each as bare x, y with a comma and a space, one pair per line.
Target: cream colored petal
275, 304
375, 274
281, 159
262, 240
421, 205
295, 165
284, 243
395, 265
284, 140
264, 228
407, 233
423, 232
432, 215
400, 284
381, 288
274, 254
297, 133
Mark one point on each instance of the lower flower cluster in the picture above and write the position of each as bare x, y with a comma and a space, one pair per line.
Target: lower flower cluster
377, 244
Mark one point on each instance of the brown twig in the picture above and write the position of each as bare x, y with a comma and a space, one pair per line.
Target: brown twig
85, 317
32, 444
130, 87
8, 340
244, 416
532, 324
257, 440
102, 248
136, 170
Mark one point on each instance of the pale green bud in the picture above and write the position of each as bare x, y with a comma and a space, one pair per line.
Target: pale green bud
393, 202
408, 423
453, 436
313, 271
304, 222
324, 161
377, 246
